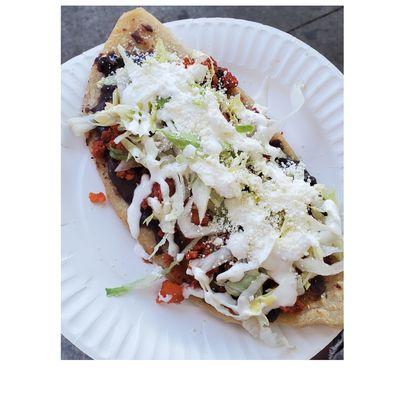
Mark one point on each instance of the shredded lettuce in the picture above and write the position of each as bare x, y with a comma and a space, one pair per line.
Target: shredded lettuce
80, 125
199, 103
116, 97
180, 139
216, 199
316, 252
232, 106
305, 279
117, 154
265, 300
113, 115
245, 128
328, 195
142, 283
260, 329
181, 159
236, 288
161, 101
133, 150
227, 154
319, 267
317, 214
201, 195
148, 219
161, 54
158, 245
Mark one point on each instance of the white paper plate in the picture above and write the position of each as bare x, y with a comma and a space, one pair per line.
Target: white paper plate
97, 250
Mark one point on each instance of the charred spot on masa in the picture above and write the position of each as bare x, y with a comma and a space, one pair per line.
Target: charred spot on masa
147, 27
136, 37
338, 286
275, 143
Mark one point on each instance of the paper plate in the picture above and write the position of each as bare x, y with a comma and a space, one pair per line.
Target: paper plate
98, 251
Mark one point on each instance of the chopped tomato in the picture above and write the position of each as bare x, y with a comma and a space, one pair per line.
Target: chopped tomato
203, 248
98, 149
222, 76
205, 220
156, 191
208, 63
187, 61
196, 219
106, 139
170, 293
128, 175
295, 308
199, 246
160, 233
97, 197
192, 254
144, 204
110, 134
171, 185
167, 259
228, 80
178, 273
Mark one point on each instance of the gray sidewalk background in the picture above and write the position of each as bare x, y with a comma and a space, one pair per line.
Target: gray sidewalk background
83, 27
321, 27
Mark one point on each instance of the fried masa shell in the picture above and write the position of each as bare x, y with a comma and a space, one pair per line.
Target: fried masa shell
139, 29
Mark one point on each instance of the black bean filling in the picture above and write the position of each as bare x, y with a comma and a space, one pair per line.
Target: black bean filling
124, 187
180, 239
126, 190
153, 224
276, 143
107, 64
106, 93
269, 284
